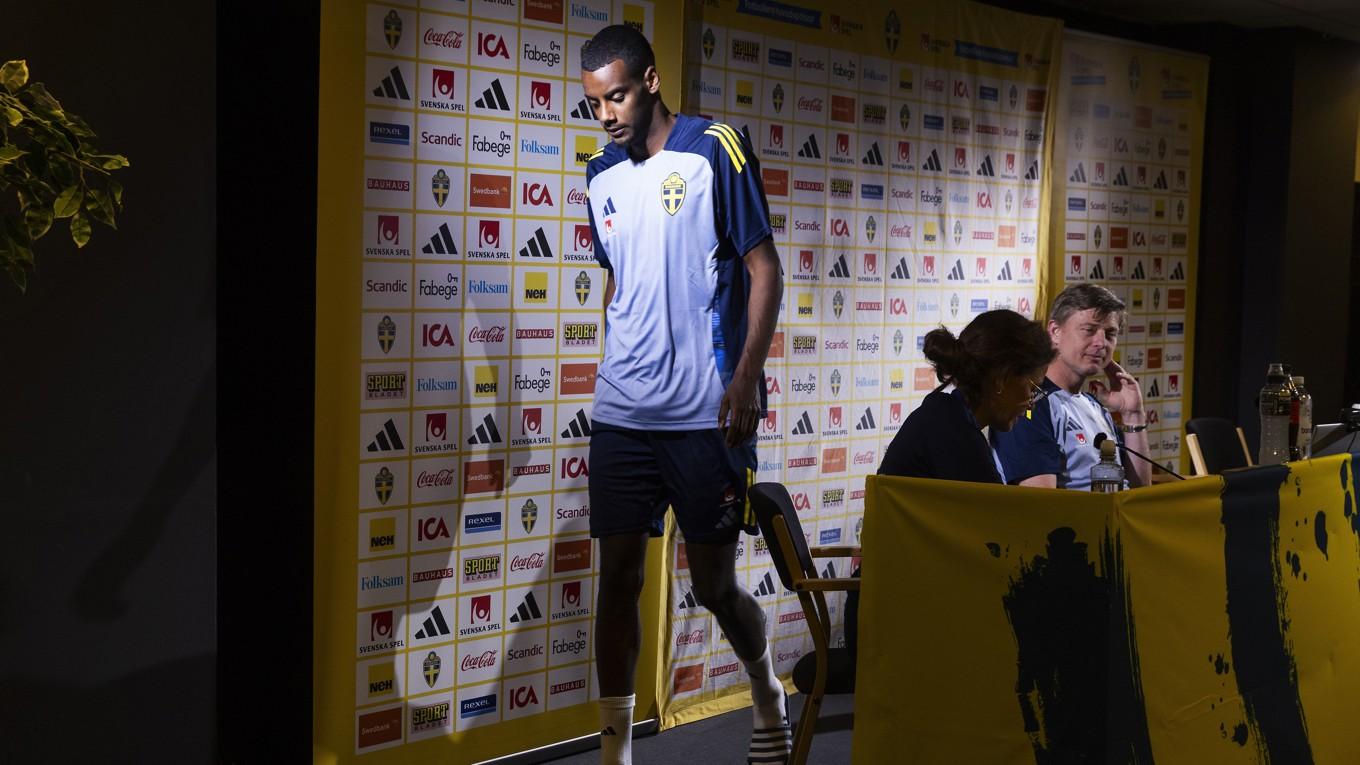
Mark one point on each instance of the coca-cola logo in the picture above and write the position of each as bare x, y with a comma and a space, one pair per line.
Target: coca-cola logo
810, 104
449, 39
486, 335
690, 638
485, 661
576, 197
442, 478
528, 562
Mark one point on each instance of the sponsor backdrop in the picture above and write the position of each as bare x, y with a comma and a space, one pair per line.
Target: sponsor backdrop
1130, 127
903, 153
459, 311
1211, 620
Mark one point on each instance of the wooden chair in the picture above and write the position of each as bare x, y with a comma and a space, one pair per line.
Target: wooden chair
793, 561
1216, 445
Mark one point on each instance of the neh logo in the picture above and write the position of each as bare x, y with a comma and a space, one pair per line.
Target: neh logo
392, 29
387, 333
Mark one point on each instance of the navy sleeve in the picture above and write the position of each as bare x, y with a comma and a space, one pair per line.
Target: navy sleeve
743, 214
1030, 448
597, 243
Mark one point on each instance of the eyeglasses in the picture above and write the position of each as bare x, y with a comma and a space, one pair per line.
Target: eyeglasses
1036, 393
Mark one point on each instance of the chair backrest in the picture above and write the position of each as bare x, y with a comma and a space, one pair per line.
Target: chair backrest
771, 500
1219, 442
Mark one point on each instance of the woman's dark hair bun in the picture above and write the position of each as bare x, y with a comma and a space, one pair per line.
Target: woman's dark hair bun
947, 354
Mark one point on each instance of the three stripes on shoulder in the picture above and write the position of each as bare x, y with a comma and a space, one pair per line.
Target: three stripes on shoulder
731, 143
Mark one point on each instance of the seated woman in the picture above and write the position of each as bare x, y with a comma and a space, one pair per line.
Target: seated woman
994, 365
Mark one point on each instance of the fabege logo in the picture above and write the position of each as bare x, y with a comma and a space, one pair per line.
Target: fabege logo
540, 94
441, 84
492, 45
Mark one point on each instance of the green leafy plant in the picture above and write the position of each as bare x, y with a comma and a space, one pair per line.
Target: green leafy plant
50, 170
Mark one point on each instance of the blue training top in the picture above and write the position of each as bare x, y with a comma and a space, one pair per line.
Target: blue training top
673, 230
1058, 436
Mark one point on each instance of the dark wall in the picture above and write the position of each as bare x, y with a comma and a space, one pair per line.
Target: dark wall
107, 427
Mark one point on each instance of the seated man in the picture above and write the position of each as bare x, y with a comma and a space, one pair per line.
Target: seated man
1054, 445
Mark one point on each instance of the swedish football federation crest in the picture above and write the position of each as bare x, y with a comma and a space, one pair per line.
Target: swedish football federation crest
439, 186
897, 343
387, 333
1161, 148
838, 303
954, 304
672, 193
528, 515
431, 667
958, 231
1078, 138
392, 29
1097, 236
1180, 210
892, 31
835, 382
1010, 200
1135, 74
582, 287
709, 42
870, 228
1013, 96
777, 98
904, 117
382, 485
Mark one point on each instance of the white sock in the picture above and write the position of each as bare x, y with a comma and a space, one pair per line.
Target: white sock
767, 693
616, 729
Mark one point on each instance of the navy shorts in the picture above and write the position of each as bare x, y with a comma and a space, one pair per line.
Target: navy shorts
636, 474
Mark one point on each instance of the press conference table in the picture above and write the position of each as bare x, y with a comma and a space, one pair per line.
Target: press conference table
1207, 620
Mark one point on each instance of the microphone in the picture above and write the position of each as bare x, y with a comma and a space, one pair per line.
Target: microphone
1102, 438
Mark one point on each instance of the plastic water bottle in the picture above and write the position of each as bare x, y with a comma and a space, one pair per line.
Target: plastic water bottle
1305, 441
1107, 476
1294, 401
1275, 405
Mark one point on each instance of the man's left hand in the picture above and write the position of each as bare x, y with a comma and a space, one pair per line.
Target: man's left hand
740, 402
1121, 393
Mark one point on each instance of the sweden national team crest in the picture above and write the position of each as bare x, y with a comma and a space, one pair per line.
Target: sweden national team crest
838, 303
777, 98
672, 193
835, 382
582, 287
439, 186
392, 29
709, 40
387, 333
892, 31
431, 666
382, 485
870, 228
897, 343
528, 516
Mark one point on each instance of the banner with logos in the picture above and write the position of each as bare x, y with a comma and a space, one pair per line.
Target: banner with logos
1130, 131
1211, 620
458, 328
903, 152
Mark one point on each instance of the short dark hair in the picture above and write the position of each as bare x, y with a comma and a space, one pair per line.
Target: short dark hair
618, 42
996, 343
1083, 297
